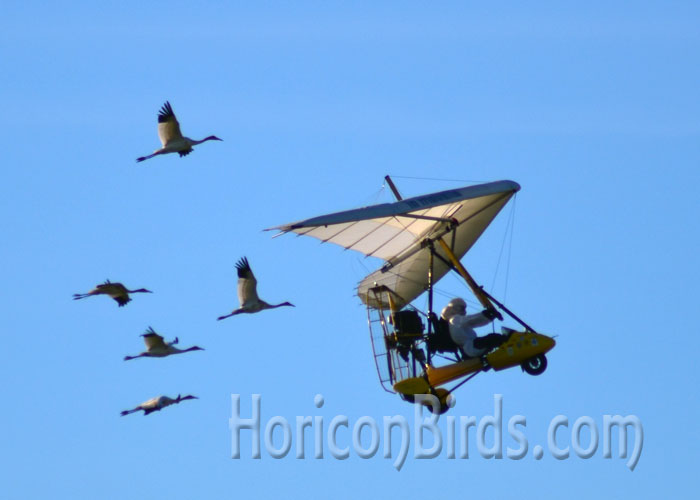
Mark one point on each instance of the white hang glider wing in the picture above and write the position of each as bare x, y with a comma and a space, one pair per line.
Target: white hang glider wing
399, 233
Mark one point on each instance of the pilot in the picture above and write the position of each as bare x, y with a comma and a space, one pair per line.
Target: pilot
462, 328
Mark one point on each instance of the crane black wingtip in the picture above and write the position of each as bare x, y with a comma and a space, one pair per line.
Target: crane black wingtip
243, 266
165, 113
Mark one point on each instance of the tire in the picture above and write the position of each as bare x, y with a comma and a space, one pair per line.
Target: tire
535, 365
442, 395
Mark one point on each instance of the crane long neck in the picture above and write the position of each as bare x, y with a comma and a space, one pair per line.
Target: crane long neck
210, 138
175, 350
272, 306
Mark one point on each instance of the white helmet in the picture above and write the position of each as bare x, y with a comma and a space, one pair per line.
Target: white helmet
454, 307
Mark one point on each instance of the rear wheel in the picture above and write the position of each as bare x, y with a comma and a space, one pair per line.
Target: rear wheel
535, 365
443, 396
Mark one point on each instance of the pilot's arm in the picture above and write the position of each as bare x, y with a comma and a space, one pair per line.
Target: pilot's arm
483, 318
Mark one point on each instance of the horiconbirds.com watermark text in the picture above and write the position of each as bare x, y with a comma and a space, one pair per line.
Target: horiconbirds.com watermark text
431, 435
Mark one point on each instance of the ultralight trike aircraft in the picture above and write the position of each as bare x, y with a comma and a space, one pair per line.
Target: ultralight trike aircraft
421, 239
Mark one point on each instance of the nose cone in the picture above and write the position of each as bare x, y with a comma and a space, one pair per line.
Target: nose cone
546, 342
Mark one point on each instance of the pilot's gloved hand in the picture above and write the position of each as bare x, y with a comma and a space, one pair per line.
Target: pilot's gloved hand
492, 313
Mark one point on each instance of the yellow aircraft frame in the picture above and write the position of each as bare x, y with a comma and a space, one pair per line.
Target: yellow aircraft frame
522, 348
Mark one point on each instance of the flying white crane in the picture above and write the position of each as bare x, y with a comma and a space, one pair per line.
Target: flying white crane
170, 136
247, 292
115, 290
157, 404
157, 348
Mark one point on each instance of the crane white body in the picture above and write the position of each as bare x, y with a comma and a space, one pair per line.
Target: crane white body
171, 137
156, 404
248, 292
117, 291
156, 347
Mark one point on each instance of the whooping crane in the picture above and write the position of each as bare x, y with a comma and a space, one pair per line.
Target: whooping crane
170, 136
157, 404
115, 290
157, 348
247, 292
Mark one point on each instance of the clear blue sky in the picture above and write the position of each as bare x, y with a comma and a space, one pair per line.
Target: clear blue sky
593, 108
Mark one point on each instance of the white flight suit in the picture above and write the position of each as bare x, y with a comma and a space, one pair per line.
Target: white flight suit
463, 334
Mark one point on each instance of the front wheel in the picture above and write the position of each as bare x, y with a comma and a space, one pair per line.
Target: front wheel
535, 365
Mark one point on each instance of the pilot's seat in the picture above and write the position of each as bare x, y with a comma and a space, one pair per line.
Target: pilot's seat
408, 329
